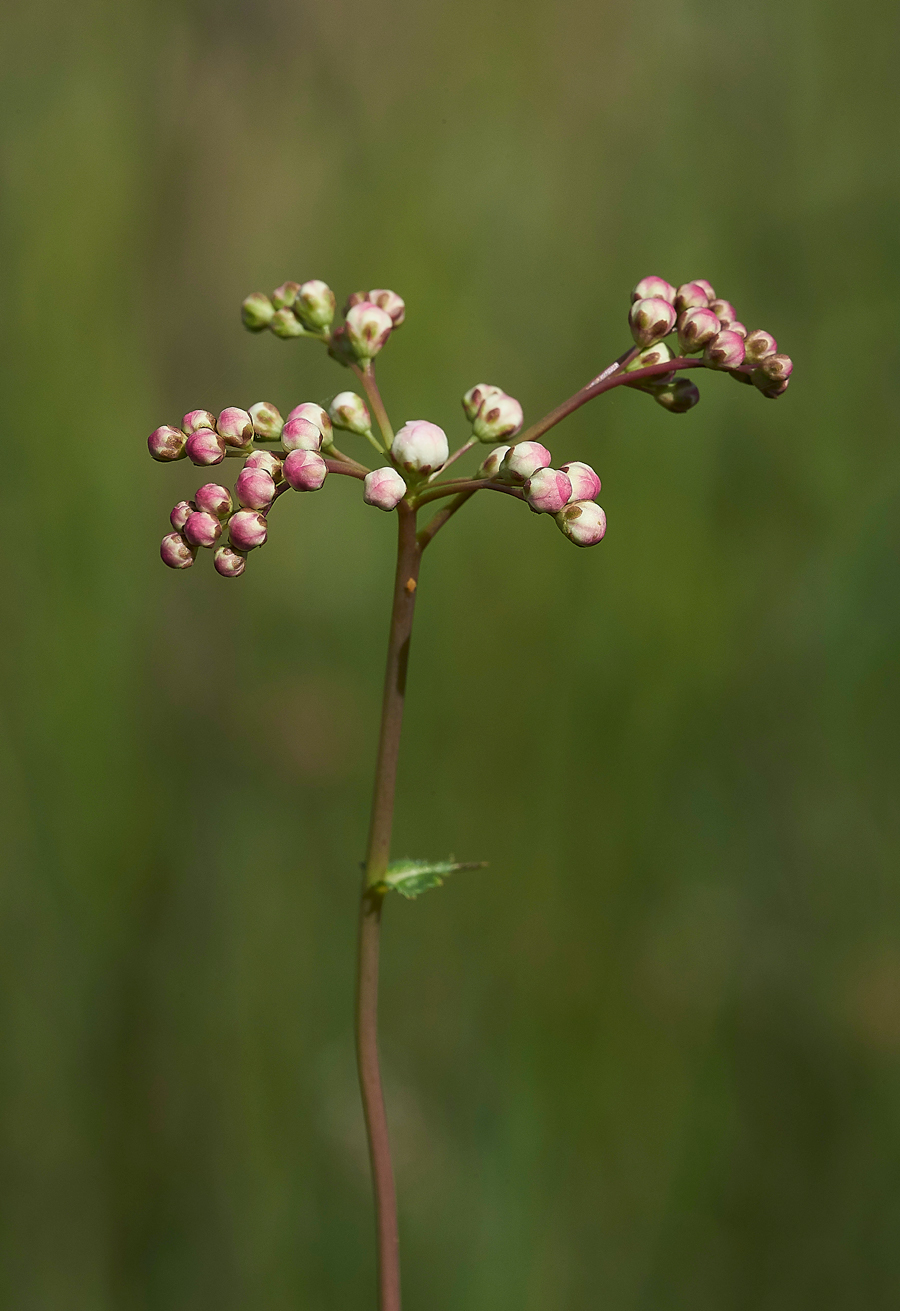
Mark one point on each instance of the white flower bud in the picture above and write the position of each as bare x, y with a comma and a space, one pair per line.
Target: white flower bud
383, 488
315, 304
368, 328
500, 416
585, 483
474, 397
583, 522
420, 447
658, 354
348, 411
547, 491
390, 302
523, 461
490, 468
653, 287
315, 414
267, 422
650, 319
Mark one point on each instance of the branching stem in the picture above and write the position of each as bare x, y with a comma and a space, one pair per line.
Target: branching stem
366, 376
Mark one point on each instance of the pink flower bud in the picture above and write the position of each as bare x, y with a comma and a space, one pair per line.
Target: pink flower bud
229, 563
315, 304
368, 328
772, 375
585, 483
759, 345
205, 447
283, 297
475, 396
257, 311
696, 327
653, 289
202, 529
236, 427
724, 312
267, 422
548, 490
738, 327
390, 302
490, 467
691, 295
500, 416
523, 461
583, 522
305, 471
213, 499
255, 489
167, 443
707, 287
285, 324
175, 552
348, 411
650, 319
383, 488
420, 447
726, 351
196, 419
314, 413
180, 514
658, 354
265, 460
677, 396
301, 435
247, 529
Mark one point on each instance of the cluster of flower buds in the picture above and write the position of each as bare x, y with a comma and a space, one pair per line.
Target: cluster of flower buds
369, 319
707, 325
568, 493
295, 309
492, 414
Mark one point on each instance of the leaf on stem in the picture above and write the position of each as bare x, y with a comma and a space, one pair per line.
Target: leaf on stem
412, 877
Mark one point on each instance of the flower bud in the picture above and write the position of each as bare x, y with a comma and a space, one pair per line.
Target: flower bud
759, 345
315, 304
774, 389
658, 354
202, 529
247, 529
772, 375
283, 297
650, 319
583, 522
301, 435
348, 411
229, 563
266, 460
175, 552
548, 490
490, 467
420, 447
585, 483
677, 396
305, 471
213, 499
285, 324
236, 427
736, 326
740, 375
726, 351
707, 287
195, 419
522, 462
267, 422
724, 312
257, 311
500, 416
696, 327
368, 328
691, 295
383, 488
390, 302
167, 443
472, 401
355, 298
653, 289
205, 447
314, 414
255, 489
180, 514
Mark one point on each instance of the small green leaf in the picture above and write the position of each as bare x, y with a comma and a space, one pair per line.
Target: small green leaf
412, 877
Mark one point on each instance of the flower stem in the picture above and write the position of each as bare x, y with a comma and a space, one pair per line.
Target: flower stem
408, 559
366, 376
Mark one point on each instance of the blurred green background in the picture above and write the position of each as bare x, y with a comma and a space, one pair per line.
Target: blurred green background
650, 1059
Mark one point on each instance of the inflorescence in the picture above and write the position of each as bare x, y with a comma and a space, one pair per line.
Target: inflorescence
298, 453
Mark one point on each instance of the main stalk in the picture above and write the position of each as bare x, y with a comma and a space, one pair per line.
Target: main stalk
409, 554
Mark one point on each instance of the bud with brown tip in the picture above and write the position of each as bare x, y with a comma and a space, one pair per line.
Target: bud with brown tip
690, 296
390, 302
522, 462
725, 351
349, 411
705, 286
490, 467
658, 354
736, 326
205, 447
650, 319
283, 297
367, 329
677, 396
585, 483
268, 461
475, 396
236, 427
229, 563
499, 416
305, 471
180, 514
420, 447
547, 491
285, 324
176, 552
202, 529
383, 488
167, 443
583, 522
696, 327
256, 312
255, 489
301, 435
214, 499
724, 312
314, 414
196, 419
653, 288
759, 345
315, 304
247, 530
267, 422
772, 375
